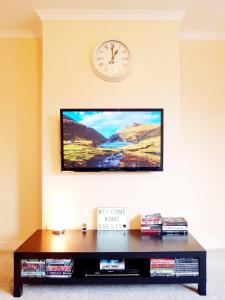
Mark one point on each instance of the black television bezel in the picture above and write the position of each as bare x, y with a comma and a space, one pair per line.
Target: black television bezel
86, 169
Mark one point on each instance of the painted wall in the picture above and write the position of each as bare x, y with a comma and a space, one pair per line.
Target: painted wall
69, 82
203, 134
20, 210
192, 183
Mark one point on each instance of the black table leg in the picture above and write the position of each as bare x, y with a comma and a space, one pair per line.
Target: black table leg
202, 288
18, 286
202, 269
18, 289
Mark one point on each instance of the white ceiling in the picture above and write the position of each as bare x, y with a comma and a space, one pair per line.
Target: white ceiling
201, 15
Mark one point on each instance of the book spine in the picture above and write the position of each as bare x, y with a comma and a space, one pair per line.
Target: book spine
59, 276
58, 273
187, 274
174, 227
58, 268
162, 266
143, 221
151, 228
174, 232
167, 260
58, 262
151, 225
152, 231
174, 224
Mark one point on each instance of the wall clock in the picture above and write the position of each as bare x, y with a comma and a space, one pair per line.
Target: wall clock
111, 60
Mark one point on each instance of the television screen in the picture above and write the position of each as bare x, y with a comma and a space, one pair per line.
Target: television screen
111, 139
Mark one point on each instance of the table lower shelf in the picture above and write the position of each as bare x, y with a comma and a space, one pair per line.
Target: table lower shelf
111, 280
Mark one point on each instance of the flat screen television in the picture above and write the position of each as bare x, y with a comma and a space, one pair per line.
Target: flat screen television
111, 139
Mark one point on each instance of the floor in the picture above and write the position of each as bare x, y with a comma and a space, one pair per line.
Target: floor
215, 286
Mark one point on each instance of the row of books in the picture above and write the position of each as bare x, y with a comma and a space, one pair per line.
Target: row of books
33, 268
174, 267
156, 224
63, 268
59, 268
52, 268
187, 267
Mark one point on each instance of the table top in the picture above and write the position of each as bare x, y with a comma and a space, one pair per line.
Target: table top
130, 241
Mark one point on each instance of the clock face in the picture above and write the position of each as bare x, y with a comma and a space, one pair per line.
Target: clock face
112, 60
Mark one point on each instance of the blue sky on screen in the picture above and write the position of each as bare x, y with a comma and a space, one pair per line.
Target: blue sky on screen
109, 122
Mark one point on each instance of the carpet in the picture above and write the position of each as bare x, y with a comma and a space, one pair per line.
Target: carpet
215, 286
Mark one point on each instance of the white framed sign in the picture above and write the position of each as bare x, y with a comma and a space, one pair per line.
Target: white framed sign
112, 218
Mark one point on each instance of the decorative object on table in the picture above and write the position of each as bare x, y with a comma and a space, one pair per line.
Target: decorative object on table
58, 231
151, 224
112, 218
84, 227
174, 225
112, 60
57, 217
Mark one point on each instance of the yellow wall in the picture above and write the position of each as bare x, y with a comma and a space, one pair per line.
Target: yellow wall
203, 130
192, 184
20, 210
69, 82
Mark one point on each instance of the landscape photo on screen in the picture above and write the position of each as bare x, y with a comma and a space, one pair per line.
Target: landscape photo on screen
111, 139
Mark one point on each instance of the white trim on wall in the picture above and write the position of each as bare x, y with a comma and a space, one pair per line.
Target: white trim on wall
109, 14
203, 35
16, 33
185, 35
114, 14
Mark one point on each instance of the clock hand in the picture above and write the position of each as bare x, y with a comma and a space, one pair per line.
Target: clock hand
113, 55
112, 47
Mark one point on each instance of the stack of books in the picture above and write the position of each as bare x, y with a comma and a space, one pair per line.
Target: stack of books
32, 268
174, 267
174, 226
187, 266
162, 267
151, 224
59, 268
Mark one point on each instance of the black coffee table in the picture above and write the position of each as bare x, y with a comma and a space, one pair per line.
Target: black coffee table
88, 248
